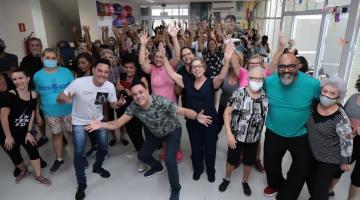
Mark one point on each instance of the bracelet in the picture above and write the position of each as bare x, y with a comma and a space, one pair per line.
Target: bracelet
196, 116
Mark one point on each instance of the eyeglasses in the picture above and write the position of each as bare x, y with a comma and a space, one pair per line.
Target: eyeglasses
256, 79
290, 67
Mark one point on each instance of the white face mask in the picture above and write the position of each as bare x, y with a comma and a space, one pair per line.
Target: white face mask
255, 86
327, 101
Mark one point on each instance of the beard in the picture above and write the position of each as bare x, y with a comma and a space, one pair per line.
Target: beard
287, 78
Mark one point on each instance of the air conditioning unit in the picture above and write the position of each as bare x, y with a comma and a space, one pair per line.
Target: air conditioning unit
223, 5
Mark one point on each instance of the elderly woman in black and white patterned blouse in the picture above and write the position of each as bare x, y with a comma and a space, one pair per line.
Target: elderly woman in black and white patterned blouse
330, 138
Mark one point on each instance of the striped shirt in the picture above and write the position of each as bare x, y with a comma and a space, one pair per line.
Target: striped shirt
329, 137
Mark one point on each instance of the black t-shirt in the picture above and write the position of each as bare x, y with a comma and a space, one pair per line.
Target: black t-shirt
31, 64
183, 72
8, 61
19, 116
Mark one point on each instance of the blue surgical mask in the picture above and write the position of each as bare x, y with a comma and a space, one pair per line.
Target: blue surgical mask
50, 63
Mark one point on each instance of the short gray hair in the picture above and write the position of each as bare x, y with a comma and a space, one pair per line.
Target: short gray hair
106, 51
336, 82
254, 69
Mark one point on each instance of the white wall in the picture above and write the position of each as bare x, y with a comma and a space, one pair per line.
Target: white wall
57, 26
88, 15
13, 12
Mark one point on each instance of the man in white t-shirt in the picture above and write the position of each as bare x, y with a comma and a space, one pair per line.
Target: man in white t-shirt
88, 94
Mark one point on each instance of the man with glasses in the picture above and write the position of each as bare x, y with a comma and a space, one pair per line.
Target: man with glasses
291, 94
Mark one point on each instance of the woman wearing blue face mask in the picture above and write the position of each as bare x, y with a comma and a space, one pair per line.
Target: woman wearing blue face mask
244, 119
50, 81
330, 138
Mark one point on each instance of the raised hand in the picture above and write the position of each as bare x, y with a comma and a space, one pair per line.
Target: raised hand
86, 28
93, 125
144, 38
162, 50
30, 138
229, 50
203, 119
9, 143
282, 39
173, 31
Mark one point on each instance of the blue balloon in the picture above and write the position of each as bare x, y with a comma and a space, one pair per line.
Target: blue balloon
117, 8
118, 22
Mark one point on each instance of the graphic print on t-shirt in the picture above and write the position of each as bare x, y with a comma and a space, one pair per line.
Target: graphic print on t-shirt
22, 120
101, 97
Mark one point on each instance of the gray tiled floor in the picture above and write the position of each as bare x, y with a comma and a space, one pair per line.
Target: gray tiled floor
126, 183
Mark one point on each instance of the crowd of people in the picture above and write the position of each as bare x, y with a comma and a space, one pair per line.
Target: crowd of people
139, 84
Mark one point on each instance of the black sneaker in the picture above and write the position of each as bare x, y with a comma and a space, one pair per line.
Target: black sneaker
196, 176
152, 172
102, 172
80, 193
223, 185
91, 152
331, 194
246, 188
65, 142
112, 142
43, 164
56, 166
42, 141
211, 178
16, 172
175, 194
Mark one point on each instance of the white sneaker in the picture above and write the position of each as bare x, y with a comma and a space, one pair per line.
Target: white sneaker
141, 166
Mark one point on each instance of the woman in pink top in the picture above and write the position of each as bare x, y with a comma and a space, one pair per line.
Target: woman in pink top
161, 83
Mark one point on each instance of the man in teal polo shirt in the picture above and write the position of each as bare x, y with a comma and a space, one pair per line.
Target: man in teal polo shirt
291, 94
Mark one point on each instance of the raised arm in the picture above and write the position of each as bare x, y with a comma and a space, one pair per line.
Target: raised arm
75, 35
176, 47
229, 50
86, 30
281, 46
112, 125
169, 69
144, 38
105, 34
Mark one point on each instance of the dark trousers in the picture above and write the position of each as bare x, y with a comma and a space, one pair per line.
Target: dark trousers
15, 154
172, 142
203, 146
134, 130
275, 147
319, 179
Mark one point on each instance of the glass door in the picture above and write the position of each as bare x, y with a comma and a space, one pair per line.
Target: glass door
332, 45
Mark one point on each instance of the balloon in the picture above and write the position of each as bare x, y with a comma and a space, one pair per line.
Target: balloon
110, 9
118, 22
117, 8
128, 9
123, 14
131, 20
100, 9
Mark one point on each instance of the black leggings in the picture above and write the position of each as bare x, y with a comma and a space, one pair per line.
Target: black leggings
319, 179
15, 154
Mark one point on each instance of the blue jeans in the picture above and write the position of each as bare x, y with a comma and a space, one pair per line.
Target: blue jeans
79, 140
172, 142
